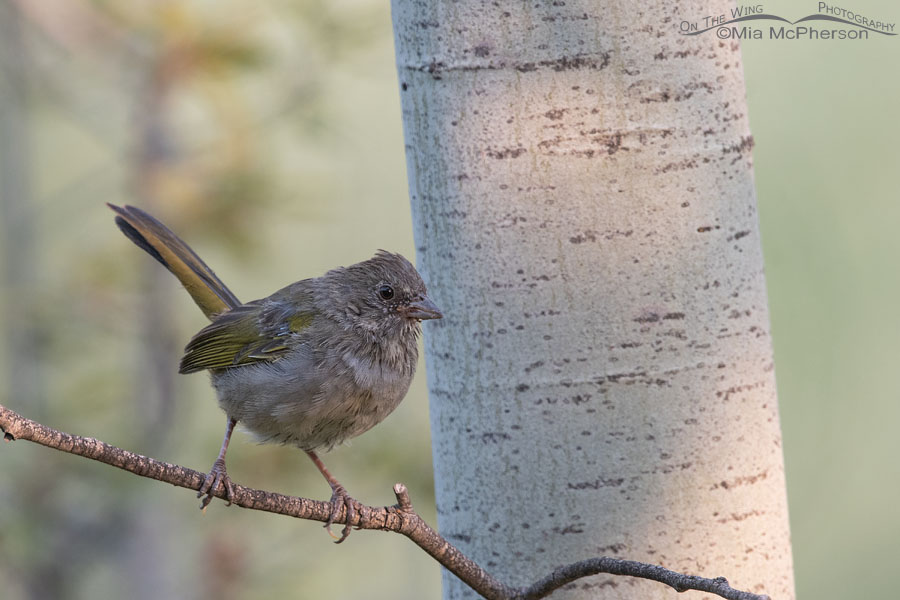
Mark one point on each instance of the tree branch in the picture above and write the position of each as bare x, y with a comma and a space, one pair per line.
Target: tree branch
400, 518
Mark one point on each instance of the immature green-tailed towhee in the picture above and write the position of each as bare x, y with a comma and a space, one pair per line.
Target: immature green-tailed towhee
317, 362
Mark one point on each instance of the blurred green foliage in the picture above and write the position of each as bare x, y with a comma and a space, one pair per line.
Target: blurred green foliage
269, 135
826, 161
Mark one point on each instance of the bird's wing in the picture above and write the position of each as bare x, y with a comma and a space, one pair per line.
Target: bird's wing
257, 331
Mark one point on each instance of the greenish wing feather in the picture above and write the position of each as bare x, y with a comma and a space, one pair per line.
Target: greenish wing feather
252, 332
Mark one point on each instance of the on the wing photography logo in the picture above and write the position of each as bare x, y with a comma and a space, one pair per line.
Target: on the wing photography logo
829, 22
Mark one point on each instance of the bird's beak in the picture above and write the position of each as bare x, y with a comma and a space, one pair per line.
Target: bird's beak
422, 309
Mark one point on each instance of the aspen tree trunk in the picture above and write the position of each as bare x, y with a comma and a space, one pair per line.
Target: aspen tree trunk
602, 382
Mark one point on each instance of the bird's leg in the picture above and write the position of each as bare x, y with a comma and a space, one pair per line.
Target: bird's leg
218, 474
338, 496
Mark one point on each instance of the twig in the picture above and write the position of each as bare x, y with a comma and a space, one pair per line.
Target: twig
400, 518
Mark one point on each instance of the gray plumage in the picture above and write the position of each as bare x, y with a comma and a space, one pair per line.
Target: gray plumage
316, 363
340, 375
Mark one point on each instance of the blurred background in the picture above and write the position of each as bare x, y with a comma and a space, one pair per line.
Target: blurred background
268, 134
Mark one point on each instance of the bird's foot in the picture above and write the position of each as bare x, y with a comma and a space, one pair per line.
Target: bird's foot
217, 475
340, 497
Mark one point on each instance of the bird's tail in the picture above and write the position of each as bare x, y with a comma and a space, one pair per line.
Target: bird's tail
158, 241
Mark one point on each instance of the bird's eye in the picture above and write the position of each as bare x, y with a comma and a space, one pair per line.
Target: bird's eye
386, 292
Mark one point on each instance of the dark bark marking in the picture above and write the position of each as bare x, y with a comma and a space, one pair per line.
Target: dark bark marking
741, 147
555, 114
739, 481
437, 68
505, 152
740, 516
597, 484
570, 528
647, 318
494, 437
687, 163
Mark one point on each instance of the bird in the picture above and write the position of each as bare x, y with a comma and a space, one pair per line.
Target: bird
316, 363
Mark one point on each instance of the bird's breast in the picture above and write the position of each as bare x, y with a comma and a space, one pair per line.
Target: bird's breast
315, 399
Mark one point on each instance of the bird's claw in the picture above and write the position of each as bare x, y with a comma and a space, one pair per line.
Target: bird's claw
340, 497
217, 475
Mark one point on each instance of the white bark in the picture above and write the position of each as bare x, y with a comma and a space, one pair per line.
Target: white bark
602, 382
